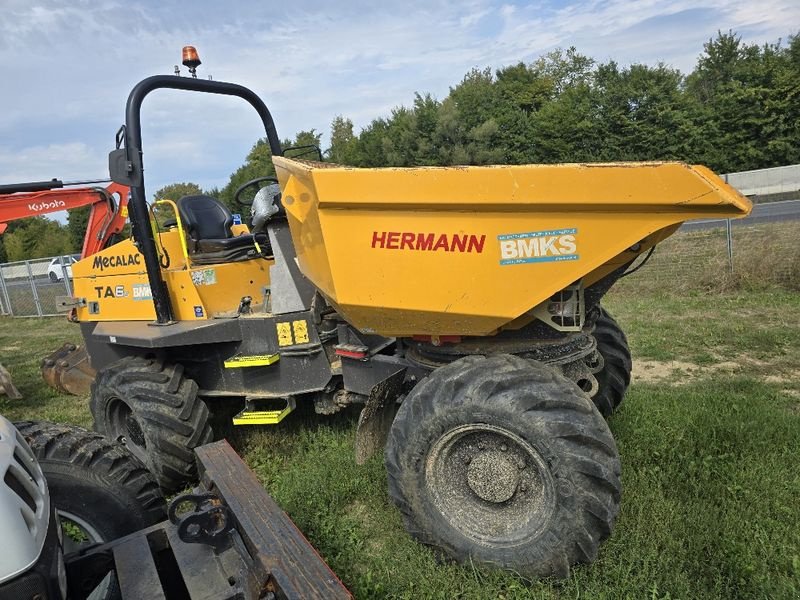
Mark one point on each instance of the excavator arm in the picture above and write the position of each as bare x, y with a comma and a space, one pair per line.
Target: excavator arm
109, 208
68, 369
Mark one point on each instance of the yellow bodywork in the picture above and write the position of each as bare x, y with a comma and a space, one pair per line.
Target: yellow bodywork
116, 280
469, 250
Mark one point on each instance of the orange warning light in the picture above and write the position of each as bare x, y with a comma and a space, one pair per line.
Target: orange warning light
190, 57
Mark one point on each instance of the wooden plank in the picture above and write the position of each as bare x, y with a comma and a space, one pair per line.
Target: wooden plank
136, 569
271, 537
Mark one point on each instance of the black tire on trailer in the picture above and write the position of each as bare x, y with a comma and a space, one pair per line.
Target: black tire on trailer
154, 410
615, 377
100, 490
504, 462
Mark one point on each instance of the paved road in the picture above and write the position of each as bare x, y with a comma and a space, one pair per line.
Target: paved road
786, 210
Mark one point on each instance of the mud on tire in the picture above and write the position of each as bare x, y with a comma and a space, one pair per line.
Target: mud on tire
154, 410
504, 462
615, 377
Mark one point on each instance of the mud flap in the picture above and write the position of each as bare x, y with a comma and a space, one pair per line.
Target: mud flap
377, 415
68, 370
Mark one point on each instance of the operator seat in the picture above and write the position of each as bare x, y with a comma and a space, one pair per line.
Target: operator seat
209, 237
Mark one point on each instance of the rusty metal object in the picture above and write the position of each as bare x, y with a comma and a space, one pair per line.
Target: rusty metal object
6, 385
68, 370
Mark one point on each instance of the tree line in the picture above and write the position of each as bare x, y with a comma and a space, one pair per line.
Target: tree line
739, 109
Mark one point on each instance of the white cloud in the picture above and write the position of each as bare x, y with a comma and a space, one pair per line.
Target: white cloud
38, 163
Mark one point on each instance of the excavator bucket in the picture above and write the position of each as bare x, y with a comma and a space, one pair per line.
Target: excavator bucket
469, 250
68, 370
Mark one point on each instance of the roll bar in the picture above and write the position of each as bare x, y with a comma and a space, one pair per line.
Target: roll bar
126, 166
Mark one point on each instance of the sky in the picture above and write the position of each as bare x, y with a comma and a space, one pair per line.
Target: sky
67, 66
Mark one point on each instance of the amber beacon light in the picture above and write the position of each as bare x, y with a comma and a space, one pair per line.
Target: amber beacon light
191, 59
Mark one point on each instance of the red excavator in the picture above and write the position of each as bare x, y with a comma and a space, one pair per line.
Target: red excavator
109, 207
67, 369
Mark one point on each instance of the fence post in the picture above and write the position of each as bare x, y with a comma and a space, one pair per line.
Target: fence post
729, 232
4, 289
729, 236
65, 275
33, 288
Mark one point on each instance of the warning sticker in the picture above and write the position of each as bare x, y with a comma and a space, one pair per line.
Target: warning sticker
284, 334
300, 331
204, 277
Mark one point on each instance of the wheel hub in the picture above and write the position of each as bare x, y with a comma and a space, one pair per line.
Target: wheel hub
493, 477
489, 483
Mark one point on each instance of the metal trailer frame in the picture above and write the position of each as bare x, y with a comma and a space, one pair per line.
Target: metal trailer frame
227, 540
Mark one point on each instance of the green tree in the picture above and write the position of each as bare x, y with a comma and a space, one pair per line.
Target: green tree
37, 237
258, 163
176, 191
77, 222
343, 141
746, 97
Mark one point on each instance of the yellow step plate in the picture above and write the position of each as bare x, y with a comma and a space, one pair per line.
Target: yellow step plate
258, 360
263, 417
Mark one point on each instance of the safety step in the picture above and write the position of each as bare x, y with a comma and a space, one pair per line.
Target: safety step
250, 416
257, 360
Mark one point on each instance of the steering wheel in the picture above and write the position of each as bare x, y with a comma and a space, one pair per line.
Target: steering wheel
237, 196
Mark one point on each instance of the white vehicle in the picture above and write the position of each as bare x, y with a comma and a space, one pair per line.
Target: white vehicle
56, 271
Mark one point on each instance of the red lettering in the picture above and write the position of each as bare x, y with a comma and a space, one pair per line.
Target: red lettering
378, 240
424, 241
407, 240
442, 243
393, 240
459, 243
476, 243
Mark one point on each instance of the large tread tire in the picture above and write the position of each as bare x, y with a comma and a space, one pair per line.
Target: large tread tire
535, 407
96, 484
152, 408
615, 377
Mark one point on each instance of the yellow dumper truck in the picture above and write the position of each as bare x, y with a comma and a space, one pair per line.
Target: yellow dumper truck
460, 307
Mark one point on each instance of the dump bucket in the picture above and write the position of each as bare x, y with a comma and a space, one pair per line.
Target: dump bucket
467, 250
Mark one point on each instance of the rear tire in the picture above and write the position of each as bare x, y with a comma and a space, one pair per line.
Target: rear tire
95, 485
154, 410
502, 461
615, 377
53, 277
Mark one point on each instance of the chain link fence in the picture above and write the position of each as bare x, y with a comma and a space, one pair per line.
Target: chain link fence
29, 288
729, 255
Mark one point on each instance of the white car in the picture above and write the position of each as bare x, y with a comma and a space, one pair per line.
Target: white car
56, 272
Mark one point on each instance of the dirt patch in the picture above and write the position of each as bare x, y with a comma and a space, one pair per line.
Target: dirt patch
677, 372
790, 377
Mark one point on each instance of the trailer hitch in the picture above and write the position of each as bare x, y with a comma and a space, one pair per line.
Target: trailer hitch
202, 519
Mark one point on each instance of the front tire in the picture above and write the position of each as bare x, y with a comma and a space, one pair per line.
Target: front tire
100, 491
504, 462
154, 410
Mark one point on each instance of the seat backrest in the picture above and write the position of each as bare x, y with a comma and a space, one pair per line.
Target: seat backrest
205, 218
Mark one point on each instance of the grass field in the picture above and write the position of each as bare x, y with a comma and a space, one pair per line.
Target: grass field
709, 435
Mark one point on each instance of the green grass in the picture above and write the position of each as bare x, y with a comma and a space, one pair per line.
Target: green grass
711, 501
